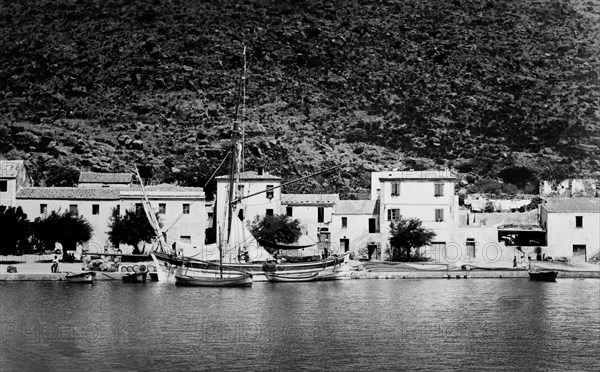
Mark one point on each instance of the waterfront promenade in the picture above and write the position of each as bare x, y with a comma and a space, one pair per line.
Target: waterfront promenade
32, 268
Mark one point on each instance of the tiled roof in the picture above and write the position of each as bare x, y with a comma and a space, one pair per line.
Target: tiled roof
93, 177
309, 199
573, 205
252, 175
357, 207
430, 174
166, 187
10, 168
68, 193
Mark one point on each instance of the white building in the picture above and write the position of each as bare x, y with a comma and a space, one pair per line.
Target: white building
573, 227
426, 195
355, 227
315, 213
266, 201
13, 176
181, 210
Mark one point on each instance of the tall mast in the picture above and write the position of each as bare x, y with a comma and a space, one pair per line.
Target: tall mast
234, 151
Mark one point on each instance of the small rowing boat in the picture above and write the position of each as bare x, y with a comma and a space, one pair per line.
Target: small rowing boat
297, 277
543, 276
87, 277
228, 280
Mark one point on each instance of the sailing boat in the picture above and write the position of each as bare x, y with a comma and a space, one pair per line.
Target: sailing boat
237, 238
184, 270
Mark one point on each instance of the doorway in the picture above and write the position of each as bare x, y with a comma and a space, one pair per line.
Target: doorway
344, 245
579, 253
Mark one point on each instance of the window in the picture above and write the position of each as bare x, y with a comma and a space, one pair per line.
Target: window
344, 222
3, 186
43, 208
73, 209
162, 208
240, 190
270, 191
186, 209
396, 189
269, 212
288, 211
210, 215
578, 221
320, 214
95, 208
439, 189
439, 215
393, 214
471, 247
185, 239
372, 225
139, 208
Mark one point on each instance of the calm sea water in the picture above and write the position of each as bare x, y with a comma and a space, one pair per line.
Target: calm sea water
477, 324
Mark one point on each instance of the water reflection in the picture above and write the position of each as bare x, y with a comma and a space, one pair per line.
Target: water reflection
367, 324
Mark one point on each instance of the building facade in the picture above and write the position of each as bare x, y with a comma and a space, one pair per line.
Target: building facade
572, 226
261, 192
426, 195
181, 210
13, 176
315, 213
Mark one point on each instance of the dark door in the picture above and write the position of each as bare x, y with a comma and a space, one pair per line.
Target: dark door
344, 245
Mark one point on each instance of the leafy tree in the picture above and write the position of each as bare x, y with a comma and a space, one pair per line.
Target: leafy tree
519, 176
68, 228
197, 174
131, 228
407, 236
277, 228
62, 176
16, 230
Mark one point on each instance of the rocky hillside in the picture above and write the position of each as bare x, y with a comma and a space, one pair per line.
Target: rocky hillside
488, 88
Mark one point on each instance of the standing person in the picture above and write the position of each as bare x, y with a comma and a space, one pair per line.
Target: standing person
54, 267
174, 247
514, 262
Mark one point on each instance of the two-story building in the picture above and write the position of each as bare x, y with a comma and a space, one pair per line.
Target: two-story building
355, 227
572, 226
427, 195
315, 213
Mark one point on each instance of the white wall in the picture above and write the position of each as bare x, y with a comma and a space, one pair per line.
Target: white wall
7, 198
562, 233
253, 206
417, 200
175, 223
308, 217
99, 222
357, 232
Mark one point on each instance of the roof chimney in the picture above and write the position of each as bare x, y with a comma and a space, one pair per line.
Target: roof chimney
260, 171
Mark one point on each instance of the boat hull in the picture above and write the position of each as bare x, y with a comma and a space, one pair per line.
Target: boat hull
167, 266
543, 276
139, 277
199, 281
83, 278
291, 278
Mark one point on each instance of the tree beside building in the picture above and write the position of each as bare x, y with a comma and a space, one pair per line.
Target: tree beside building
407, 237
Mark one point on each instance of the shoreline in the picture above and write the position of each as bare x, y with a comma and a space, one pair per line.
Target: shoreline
30, 270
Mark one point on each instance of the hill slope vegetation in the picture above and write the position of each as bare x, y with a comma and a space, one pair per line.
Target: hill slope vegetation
484, 87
